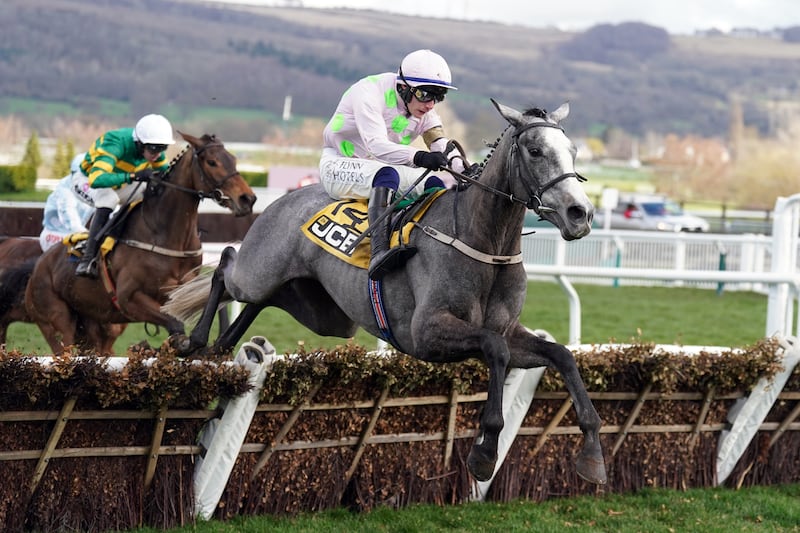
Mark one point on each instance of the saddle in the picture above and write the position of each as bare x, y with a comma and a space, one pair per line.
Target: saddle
335, 227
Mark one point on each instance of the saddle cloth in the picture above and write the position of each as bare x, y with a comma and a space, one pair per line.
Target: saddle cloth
73, 241
337, 225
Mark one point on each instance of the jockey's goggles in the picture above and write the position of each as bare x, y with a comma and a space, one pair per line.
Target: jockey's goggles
155, 148
428, 95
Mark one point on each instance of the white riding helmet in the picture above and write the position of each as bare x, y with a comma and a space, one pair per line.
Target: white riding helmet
76, 162
153, 129
424, 67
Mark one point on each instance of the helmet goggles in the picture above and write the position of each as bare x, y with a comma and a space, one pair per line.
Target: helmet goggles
429, 93
155, 148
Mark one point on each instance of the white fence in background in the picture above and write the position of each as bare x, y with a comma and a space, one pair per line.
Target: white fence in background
721, 262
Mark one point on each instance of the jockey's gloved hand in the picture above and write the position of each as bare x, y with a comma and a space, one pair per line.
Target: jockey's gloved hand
473, 170
143, 175
430, 160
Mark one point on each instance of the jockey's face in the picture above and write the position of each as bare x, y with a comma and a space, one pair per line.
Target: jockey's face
151, 152
418, 109
423, 99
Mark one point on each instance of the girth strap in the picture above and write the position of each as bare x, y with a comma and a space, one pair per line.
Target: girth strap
163, 251
375, 288
467, 250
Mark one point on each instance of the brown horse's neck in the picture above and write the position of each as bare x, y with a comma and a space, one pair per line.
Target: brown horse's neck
170, 219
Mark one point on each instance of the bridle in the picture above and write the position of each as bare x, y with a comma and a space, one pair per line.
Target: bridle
534, 196
216, 194
534, 200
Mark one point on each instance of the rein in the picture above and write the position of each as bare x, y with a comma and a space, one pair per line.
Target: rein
163, 180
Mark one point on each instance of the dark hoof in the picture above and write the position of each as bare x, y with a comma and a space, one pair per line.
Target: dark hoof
480, 466
181, 344
592, 469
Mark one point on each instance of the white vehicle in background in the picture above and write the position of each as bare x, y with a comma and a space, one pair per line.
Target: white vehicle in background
649, 212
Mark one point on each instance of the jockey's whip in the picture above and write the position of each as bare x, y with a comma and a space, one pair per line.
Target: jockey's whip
385, 214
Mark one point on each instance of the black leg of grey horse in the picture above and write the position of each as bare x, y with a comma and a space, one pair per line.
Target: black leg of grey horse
199, 336
530, 351
237, 329
483, 455
449, 341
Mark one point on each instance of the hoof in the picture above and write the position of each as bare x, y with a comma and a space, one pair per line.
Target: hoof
181, 344
479, 466
592, 469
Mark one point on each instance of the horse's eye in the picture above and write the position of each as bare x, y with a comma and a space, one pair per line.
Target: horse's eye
535, 152
211, 162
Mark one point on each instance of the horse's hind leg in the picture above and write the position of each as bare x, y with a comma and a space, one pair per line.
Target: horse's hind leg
234, 332
199, 335
529, 351
58, 337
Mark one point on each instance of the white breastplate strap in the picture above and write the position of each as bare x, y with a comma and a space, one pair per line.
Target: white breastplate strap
162, 251
469, 251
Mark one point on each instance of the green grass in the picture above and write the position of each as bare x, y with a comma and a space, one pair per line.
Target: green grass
38, 195
609, 314
756, 509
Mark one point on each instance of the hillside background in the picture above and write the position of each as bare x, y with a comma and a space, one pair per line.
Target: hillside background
70, 68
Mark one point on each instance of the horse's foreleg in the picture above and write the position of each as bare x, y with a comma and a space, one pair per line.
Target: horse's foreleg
483, 455
98, 336
589, 463
443, 338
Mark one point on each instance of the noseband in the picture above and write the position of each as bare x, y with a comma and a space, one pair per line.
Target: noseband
216, 193
534, 201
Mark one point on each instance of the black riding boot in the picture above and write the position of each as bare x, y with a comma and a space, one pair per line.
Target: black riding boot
383, 259
87, 266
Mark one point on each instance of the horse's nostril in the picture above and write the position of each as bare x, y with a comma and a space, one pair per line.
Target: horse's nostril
578, 213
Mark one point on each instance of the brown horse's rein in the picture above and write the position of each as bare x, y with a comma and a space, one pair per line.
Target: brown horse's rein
161, 250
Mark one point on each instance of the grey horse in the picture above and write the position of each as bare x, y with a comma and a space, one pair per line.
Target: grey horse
459, 297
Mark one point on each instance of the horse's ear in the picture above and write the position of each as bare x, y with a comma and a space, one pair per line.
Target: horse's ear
513, 116
194, 141
561, 113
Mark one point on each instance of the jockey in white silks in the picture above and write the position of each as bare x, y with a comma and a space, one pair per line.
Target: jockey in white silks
64, 212
367, 150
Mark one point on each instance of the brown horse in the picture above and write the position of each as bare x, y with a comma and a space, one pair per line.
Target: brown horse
18, 255
158, 249
14, 253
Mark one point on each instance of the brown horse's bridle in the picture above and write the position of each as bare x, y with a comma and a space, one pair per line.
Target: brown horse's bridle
216, 193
